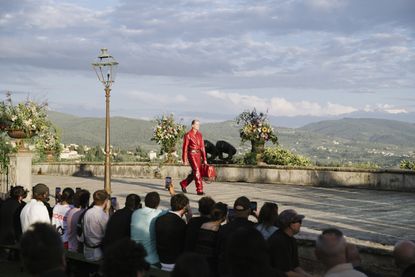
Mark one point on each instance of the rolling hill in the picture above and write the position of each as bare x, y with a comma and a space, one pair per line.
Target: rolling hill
385, 142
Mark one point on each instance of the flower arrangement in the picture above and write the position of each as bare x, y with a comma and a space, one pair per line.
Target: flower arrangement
167, 133
30, 119
28, 116
254, 127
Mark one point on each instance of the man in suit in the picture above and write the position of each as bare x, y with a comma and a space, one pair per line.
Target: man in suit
193, 153
171, 231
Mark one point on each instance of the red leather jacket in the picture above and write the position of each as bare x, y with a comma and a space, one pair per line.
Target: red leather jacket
193, 141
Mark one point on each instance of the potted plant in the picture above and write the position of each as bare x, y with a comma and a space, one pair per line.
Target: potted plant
254, 127
167, 133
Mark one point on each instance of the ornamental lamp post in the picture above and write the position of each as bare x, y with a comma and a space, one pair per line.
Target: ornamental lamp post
105, 67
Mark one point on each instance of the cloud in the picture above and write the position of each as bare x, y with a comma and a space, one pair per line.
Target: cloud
391, 109
278, 106
156, 98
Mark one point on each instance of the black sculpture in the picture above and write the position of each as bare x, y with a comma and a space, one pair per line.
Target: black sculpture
217, 151
224, 147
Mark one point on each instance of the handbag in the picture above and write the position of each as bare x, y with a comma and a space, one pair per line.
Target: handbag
208, 173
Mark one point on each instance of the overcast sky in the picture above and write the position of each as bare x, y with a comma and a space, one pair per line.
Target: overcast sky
212, 59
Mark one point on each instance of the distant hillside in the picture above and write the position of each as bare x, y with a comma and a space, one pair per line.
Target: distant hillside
384, 142
367, 129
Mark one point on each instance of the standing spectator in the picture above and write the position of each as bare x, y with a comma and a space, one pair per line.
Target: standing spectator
404, 254
81, 202
242, 210
205, 207
208, 236
331, 251
171, 231
125, 258
35, 210
42, 251
8, 212
59, 214
143, 222
267, 219
283, 245
94, 223
119, 224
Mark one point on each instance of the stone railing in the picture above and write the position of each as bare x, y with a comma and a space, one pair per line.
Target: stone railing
381, 179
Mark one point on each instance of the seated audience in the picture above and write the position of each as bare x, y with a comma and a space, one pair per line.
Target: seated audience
283, 245
35, 210
171, 232
353, 257
143, 223
267, 219
207, 238
190, 265
42, 251
241, 211
125, 258
247, 255
331, 252
81, 202
8, 212
205, 207
119, 223
94, 223
59, 214
404, 254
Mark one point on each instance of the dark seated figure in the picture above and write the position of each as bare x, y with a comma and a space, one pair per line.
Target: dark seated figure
211, 152
224, 147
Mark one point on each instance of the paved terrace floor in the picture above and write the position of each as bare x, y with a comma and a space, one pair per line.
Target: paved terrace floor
367, 217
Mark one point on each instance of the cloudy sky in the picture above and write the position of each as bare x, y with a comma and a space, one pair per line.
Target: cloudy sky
212, 59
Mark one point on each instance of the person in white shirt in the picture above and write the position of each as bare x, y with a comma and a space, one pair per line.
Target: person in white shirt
59, 215
94, 223
331, 251
35, 210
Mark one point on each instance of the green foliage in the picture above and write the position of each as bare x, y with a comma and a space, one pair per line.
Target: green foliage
279, 156
251, 158
5, 150
405, 164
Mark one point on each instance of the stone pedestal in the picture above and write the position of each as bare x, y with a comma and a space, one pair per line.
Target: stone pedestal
20, 170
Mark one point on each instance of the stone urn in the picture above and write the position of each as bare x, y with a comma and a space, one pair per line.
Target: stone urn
19, 136
258, 148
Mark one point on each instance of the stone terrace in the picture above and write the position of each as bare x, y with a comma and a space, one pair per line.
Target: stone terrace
367, 217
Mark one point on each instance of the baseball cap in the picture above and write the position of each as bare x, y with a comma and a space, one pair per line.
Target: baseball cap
242, 204
289, 216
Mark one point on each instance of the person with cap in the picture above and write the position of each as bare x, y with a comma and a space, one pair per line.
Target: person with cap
35, 210
241, 211
283, 245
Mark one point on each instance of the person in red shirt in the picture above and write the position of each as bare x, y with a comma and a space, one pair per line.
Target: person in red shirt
193, 153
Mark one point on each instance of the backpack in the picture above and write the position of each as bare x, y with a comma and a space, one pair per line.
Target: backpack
80, 232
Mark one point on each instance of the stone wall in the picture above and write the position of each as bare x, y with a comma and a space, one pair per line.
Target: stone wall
382, 179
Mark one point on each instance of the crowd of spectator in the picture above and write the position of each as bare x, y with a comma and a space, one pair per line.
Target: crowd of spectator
221, 241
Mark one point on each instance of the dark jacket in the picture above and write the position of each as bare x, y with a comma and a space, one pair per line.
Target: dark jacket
192, 231
9, 213
118, 227
170, 236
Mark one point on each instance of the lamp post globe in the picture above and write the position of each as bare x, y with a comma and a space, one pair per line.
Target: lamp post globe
105, 67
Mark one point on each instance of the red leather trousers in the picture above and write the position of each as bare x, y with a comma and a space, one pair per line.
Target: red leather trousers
195, 161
